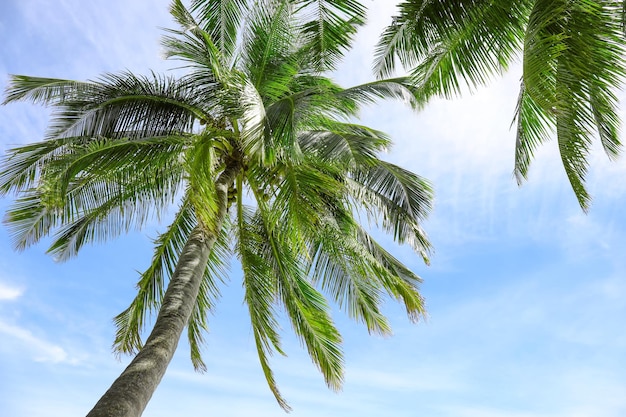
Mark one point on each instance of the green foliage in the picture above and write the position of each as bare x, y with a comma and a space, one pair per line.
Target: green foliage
573, 64
254, 98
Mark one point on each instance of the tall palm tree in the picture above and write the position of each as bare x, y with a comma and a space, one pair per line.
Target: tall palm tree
573, 64
256, 148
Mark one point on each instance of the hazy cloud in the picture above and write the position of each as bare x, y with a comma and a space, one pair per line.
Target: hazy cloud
40, 349
8, 292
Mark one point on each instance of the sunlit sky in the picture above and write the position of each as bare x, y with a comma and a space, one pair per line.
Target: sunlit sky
526, 294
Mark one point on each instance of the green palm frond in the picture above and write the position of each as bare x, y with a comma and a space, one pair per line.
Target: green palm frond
22, 166
120, 213
29, 220
603, 105
316, 100
311, 99
339, 266
97, 191
446, 40
397, 40
281, 246
259, 283
306, 308
255, 135
572, 64
344, 143
354, 269
267, 45
327, 29
398, 280
195, 46
126, 105
303, 194
47, 91
533, 123
399, 88
221, 19
482, 41
202, 168
117, 160
281, 123
400, 197
310, 318
116, 105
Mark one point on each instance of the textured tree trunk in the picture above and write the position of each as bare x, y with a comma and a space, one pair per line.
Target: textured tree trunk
130, 392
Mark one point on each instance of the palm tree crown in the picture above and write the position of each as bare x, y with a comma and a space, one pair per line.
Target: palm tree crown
572, 59
256, 148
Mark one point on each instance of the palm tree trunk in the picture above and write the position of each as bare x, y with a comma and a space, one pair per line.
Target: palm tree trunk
130, 392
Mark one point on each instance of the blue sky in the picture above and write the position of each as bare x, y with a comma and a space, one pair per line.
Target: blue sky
526, 294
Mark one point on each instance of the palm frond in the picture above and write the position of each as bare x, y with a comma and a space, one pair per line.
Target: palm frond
532, 130
47, 91
344, 143
572, 66
400, 88
202, 168
304, 194
260, 292
130, 106
327, 29
398, 280
196, 46
222, 20
306, 307
400, 197
267, 45
255, 135
445, 41
22, 166
29, 219
396, 40
339, 266
97, 191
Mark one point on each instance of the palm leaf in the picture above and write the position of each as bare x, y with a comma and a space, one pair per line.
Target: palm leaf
447, 40
48, 91
400, 197
532, 130
339, 266
327, 29
572, 64
260, 292
344, 143
221, 19
400, 88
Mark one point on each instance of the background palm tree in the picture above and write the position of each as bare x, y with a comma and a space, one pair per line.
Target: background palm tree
572, 59
255, 147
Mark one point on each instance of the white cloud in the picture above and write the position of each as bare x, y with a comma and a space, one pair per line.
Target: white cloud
577, 393
407, 380
39, 349
9, 293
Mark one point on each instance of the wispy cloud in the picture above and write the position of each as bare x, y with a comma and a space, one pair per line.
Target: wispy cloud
39, 349
8, 292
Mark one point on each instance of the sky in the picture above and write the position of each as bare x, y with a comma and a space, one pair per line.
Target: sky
526, 294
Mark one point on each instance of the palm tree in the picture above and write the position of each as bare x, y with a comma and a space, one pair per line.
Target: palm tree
572, 59
256, 148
